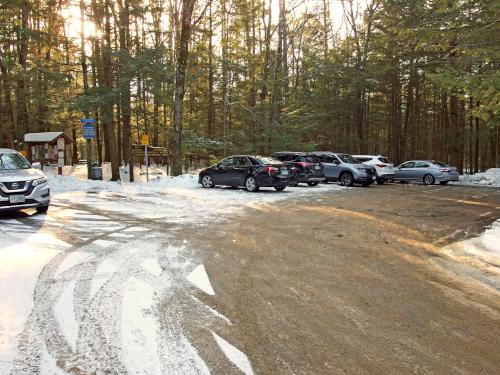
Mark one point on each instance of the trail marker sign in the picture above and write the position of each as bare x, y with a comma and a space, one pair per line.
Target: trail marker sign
88, 131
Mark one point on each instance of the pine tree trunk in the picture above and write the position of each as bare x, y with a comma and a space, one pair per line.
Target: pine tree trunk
180, 78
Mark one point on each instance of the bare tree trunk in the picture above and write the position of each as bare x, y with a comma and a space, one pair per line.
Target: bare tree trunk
108, 123
21, 90
180, 78
124, 85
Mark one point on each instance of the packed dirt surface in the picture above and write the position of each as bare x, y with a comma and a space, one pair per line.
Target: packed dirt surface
358, 282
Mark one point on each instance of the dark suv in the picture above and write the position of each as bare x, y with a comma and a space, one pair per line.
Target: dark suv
308, 168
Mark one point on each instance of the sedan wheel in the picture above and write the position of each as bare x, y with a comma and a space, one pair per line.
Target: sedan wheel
429, 179
312, 183
280, 188
346, 179
251, 184
207, 182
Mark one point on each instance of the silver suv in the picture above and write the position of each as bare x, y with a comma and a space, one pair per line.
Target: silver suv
346, 169
22, 185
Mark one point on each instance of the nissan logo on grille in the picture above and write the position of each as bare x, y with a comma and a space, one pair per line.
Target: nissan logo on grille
15, 186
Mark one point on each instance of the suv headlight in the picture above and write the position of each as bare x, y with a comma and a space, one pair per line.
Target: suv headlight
39, 181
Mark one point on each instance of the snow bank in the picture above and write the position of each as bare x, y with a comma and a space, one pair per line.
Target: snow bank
489, 178
178, 200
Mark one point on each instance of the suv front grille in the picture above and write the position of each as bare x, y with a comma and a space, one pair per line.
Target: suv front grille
14, 185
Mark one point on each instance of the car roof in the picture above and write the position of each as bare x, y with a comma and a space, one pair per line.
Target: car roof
7, 151
369, 156
290, 152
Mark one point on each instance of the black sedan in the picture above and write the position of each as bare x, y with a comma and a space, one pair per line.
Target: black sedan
251, 172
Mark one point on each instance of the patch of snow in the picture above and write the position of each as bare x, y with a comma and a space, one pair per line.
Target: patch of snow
489, 241
199, 278
151, 265
71, 260
21, 261
63, 311
48, 365
138, 329
103, 273
104, 243
237, 357
489, 178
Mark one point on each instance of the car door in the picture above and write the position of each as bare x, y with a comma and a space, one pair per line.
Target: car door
329, 165
335, 167
404, 172
420, 170
222, 172
240, 171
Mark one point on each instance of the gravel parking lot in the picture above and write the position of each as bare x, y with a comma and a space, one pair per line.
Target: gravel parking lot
360, 282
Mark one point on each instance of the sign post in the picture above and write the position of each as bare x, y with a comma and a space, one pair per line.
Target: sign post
89, 134
145, 142
60, 155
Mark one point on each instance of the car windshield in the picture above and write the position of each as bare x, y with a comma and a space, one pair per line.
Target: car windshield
267, 160
13, 162
348, 159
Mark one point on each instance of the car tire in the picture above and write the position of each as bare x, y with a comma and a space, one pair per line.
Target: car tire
380, 181
280, 188
346, 179
444, 182
429, 179
207, 182
312, 183
42, 210
251, 184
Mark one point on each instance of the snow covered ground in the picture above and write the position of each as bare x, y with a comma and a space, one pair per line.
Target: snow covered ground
84, 286
489, 178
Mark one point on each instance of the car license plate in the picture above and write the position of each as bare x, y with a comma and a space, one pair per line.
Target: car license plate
17, 199
284, 172
317, 166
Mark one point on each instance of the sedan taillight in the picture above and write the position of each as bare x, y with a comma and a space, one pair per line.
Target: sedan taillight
445, 170
271, 170
381, 165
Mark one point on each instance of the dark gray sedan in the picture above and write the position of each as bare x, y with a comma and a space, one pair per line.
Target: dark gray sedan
428, 172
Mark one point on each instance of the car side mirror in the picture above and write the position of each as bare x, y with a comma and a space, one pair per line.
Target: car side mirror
36, 165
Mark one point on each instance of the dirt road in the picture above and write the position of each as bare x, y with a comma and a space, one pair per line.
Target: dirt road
358, 282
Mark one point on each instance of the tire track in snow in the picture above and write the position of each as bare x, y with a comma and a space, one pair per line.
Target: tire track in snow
99, 313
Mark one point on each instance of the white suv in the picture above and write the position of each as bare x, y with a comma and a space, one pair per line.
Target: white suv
384, 168
22, 185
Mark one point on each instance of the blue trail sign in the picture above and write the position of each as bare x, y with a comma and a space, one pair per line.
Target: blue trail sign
88, 131
87, 120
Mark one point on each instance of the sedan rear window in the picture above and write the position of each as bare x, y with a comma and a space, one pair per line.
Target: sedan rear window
385, 160
13, 162
440, 164
267, 160
363, 160
308, 159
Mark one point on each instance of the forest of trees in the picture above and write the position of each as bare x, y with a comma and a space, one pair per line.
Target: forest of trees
404, 78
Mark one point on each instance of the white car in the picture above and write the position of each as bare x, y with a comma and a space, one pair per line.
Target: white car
22, 185
384, 167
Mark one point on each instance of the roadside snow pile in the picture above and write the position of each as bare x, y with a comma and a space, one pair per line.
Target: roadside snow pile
170, 199
489, 178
